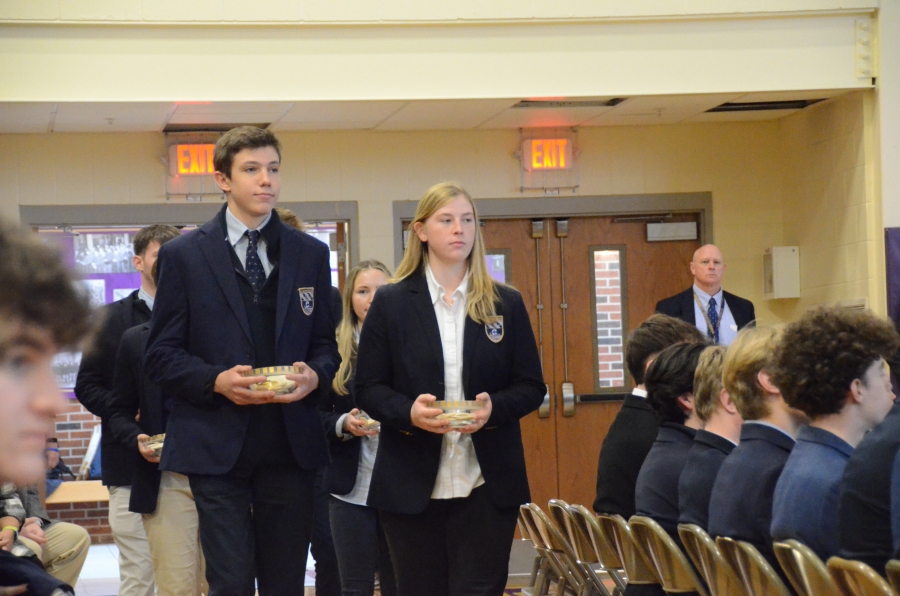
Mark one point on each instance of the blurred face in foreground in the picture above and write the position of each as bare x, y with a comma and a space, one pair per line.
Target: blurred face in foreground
29, 402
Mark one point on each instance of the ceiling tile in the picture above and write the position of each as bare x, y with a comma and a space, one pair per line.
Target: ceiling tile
20, 117
660, 109
228, 112
337, 115
111, 116
543, 117
740, 116
445, 114
790, 95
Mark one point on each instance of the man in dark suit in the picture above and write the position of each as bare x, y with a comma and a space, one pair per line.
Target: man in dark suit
716, 313
634, 430
93, 389
740, 506
246, 291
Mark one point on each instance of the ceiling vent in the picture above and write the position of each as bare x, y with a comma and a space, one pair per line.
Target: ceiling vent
759, 106
563, 103
217, 127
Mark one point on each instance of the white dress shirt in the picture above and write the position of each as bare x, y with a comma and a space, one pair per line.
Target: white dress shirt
727, 327
147, 298
458, 472
238, 239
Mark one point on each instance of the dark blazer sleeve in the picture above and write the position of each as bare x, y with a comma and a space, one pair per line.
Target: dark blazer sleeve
168, 361
125, 400
322, 355
680, 306
375, 368
95, 374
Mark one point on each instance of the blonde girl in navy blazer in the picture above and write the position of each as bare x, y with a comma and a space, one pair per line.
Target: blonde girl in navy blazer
448, 498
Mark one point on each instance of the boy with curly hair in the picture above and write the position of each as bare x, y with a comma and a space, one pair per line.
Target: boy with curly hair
830, 365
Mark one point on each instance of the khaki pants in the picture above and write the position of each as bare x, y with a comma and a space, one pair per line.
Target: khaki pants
65, 551
135, 564
173, 532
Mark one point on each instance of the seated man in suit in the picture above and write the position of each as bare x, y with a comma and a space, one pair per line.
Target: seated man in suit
715, 312
635, 428
40, 312
719, 434
741, 502
245, 291
830, 365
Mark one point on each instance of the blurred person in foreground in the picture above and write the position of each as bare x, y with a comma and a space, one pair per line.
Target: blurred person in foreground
41, 311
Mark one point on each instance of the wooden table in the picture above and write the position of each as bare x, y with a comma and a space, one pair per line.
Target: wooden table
79, 491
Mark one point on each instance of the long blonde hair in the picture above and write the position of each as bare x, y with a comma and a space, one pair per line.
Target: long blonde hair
481, 296
346, 332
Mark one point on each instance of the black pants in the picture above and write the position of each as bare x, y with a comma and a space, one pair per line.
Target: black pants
361, 549
269, 541
328, 580
456, 547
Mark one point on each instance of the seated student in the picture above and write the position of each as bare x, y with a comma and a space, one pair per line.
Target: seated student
830, 364
635, 428
741, 502
719, 434
60, 547
57, 470
40, 312
670, 392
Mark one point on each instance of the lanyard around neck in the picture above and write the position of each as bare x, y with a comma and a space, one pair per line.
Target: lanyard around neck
709, 325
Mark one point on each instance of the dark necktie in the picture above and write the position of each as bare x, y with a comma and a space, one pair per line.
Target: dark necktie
713, 331
255, 271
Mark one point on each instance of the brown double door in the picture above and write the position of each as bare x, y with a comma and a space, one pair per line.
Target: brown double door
586, 282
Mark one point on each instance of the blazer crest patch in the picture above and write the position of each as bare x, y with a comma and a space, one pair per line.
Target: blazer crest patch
307, 299
494, 330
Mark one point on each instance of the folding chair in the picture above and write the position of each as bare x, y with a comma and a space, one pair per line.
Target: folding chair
546, 572
562, 557
618, 534
526, 536
893, 574
805, 570
855, 578
562, 513
604, 552
755, 573
671, 566
720, 578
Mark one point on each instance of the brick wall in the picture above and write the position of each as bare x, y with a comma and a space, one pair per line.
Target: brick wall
608, 294
73, 429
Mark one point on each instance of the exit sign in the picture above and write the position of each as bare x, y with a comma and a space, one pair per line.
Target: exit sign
547, 154
191, 160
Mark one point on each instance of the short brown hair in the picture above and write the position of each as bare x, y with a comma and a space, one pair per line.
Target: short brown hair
290, 218
708, 382
39, 290
671, 376
236, 140
823, 352
155, 233
752, 351
653, 336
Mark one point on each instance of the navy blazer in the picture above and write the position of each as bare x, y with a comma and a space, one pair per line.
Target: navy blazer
864, 506
681, 306
656, 491
624, 449
340, 475
94, 384
699, 474
400, 358
741, 502
133, 392
200, 328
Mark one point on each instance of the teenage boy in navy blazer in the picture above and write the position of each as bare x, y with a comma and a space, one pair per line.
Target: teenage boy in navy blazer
715, 312
740, 506
246, 291
93, 388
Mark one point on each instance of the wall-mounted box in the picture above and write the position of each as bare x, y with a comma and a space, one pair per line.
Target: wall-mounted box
781, 272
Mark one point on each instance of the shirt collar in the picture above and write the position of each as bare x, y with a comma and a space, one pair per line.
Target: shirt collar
436, 290
704, 297
639, 392
770, 425
235, 228
147, 298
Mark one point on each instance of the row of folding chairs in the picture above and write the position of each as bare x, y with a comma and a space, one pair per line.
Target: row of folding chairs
576, 549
